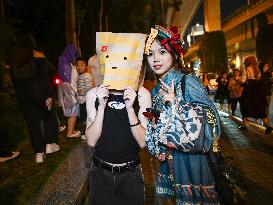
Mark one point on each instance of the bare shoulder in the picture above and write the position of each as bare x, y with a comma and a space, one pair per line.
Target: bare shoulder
144, 96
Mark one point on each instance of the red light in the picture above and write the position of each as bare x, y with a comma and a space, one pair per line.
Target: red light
57, 81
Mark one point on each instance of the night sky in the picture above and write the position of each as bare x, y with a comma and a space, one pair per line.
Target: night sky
227, 8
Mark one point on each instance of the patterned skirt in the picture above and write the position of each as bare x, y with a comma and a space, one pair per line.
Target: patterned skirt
193, 182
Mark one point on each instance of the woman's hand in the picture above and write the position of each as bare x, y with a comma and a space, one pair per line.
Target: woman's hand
169, 95
102, 94
49, 103
129, 97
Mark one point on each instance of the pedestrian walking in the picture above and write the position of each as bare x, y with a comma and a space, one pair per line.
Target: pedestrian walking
235, 86
267, 81
253, 101
31, 82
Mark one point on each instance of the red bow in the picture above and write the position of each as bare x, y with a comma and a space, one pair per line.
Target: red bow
174, 42
151, 114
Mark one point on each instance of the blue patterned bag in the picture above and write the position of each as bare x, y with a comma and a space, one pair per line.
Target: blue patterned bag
184, 128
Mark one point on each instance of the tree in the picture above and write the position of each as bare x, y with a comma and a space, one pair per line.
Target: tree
175, 4
2, 21
213, 52
5, 39
70, 23
264, 43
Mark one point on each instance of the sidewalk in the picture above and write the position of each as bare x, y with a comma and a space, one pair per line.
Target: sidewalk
251, 153
238, 113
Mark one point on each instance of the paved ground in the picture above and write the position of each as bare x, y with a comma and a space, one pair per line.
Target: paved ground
251, 153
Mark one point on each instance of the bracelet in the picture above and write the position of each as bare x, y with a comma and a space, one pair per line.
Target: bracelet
133, 125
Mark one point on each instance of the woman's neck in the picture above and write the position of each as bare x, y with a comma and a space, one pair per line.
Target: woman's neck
161, 77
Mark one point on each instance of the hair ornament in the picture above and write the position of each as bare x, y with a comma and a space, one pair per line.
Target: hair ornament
150, 40
169, 38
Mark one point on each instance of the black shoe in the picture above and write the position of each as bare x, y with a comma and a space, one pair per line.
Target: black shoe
268, 130
242, 127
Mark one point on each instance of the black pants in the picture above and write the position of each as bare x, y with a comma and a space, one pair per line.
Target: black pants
42, 124
107, 188
83, 113
234, 102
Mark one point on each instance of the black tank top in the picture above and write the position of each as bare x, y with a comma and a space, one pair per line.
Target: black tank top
117, 143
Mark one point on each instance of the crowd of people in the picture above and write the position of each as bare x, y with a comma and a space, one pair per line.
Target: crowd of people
251, 87
176, 121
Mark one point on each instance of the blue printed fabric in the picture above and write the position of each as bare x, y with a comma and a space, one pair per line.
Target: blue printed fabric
193, 182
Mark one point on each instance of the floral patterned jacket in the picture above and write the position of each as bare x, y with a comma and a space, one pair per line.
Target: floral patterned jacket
183, 128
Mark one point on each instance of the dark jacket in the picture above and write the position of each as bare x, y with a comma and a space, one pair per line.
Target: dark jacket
34, 83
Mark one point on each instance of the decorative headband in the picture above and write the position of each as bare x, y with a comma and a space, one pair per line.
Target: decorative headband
169, 38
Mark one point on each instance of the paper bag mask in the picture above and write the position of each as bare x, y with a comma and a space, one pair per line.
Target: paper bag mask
120, 57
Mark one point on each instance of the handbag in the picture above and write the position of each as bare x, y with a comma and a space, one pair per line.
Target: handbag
227, 178
185, 127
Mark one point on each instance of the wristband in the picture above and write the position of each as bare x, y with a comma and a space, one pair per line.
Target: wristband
133, 125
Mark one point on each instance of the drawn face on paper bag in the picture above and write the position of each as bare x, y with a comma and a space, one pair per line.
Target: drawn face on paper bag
120, 56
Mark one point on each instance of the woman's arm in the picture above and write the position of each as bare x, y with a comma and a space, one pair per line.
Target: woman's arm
144, 98
95, 116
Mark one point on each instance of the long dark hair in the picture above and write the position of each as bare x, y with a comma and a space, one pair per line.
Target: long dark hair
251, 60
177, 63
20, 57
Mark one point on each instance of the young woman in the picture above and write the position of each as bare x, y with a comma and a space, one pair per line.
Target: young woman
253, 95
183, 176
253, 101
30, 79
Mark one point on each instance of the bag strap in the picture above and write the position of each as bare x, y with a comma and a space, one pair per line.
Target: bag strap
183, 86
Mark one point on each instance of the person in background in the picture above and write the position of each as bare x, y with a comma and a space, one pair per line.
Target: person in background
68, 88
34, 94
84, 84
206, 81
253, 100
222, 92
267, 81
184, 177
235, 87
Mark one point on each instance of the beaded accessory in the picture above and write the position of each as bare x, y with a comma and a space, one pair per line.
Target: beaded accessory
169, 38
150, 40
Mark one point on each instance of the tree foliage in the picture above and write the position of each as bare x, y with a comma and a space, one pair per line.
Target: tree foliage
264, 43
213, 52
